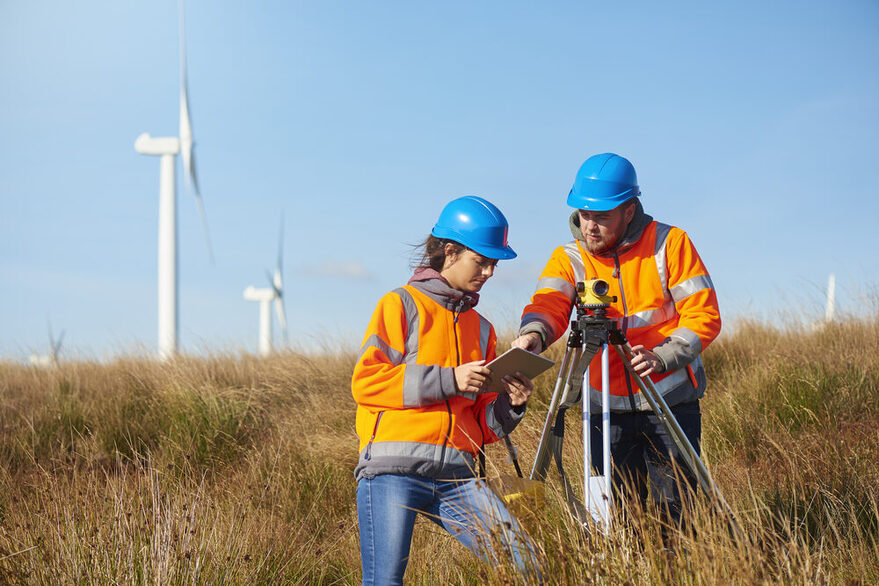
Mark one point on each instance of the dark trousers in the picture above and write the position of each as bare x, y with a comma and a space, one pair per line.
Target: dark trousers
642, 453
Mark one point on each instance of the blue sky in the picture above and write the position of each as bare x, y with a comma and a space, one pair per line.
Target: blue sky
752, 125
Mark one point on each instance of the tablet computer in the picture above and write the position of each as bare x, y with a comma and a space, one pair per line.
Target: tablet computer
512, 361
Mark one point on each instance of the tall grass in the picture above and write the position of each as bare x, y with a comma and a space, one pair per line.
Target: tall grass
232, 469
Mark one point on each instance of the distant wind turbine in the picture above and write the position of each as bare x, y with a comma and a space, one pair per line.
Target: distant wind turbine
830, 309
265, 296
166, 148
54, 350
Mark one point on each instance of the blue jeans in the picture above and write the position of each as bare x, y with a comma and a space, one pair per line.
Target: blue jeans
388, 503
642, 453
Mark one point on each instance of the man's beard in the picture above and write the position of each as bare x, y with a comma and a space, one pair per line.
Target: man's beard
598, 247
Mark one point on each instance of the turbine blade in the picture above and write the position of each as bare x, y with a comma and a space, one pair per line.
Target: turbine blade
282, 316
56, 348
280, 249
186, 140
204, 224
187, 143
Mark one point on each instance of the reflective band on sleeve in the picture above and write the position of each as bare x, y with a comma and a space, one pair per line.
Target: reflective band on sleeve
693, 285
374, 341
690, 338
421, 384
557, 284
573, 252
652, 317
662, 231
539, 318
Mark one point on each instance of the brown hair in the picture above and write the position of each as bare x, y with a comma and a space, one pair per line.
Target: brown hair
431, 254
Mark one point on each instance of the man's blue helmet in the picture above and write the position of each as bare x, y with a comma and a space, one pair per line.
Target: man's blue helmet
603, 182
477, 224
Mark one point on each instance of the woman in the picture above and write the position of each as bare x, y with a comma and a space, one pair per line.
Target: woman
421, 418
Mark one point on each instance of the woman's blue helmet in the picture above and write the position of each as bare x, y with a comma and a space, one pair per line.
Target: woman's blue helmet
603, 182
477, 224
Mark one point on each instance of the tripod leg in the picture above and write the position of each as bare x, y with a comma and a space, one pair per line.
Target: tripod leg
668, 420
597, 488
547, 438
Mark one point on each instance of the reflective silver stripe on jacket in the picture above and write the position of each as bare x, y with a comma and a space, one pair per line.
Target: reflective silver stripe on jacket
692, 285
374, 341
557, 284
690, 338
662, 231
484, 335
573, 252
544, 321
652, 317
403, 454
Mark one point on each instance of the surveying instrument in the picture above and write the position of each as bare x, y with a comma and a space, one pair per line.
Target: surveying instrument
592, 331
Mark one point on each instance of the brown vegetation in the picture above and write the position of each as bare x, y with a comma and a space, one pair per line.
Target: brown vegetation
239, 470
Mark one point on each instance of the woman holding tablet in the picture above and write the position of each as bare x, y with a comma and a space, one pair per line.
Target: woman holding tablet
422, 415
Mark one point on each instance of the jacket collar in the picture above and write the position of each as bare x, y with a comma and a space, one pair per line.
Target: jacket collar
432, 284
632, 234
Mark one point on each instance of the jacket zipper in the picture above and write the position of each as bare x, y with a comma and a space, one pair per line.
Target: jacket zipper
618, 274
456, 312
625, 324
368, 452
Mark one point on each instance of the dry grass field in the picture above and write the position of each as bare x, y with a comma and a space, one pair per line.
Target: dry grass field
238, 470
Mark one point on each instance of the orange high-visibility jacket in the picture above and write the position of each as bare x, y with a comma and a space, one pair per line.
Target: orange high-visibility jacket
411, 418
665, 302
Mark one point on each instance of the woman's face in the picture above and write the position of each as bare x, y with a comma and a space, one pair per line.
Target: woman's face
467, 271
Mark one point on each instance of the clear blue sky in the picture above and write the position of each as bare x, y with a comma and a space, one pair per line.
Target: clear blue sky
752, 125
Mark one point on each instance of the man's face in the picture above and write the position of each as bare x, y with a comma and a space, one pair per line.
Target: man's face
602, 230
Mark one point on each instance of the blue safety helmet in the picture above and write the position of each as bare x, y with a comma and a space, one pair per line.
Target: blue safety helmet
477, 224
603, 183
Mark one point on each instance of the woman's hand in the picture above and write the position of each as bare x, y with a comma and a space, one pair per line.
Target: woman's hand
519, 388
471, 377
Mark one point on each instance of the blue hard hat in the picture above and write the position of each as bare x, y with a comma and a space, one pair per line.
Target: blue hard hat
603, 182
477, 224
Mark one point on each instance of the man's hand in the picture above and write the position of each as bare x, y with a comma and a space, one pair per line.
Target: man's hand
645, 361
471, 377
519, 388
530, 342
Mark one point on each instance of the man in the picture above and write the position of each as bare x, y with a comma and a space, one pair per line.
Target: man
665, 305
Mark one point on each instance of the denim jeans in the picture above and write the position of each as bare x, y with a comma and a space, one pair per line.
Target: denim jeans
387, 505
642, 453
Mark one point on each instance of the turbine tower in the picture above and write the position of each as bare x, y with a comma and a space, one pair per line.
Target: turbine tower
829, 309
265, 296
167, 148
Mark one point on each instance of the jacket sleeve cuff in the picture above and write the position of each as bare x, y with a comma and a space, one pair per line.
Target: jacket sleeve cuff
674, 353
506, 415
536, 328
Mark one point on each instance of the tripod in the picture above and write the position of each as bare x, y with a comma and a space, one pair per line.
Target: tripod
592, 331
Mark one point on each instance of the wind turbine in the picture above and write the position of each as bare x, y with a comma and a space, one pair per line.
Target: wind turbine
265, 296
166, 148
54, 350
830, 308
